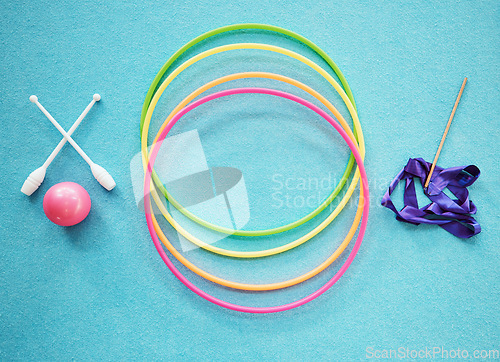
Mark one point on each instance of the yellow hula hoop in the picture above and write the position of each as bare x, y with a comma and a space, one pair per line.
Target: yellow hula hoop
299, 241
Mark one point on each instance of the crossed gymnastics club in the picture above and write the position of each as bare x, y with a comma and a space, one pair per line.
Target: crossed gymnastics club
36, 178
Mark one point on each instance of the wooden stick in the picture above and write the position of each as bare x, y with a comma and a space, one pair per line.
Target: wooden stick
445, 133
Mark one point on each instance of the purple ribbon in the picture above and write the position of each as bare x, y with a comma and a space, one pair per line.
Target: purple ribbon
453, 215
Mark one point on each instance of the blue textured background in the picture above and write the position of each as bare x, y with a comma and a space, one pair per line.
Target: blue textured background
99, 290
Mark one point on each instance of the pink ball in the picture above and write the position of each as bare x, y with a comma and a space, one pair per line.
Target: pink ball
66, 203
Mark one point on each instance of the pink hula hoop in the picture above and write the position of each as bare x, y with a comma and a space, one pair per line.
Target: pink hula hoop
181, 277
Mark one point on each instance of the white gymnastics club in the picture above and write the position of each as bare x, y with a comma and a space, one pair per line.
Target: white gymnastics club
36, 178
101, 175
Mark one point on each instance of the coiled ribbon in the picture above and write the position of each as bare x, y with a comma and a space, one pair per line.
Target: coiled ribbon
453, 215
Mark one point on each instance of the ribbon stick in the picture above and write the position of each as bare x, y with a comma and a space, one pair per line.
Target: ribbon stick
445, 134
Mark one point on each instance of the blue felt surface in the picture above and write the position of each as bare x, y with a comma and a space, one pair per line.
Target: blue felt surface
99, 290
